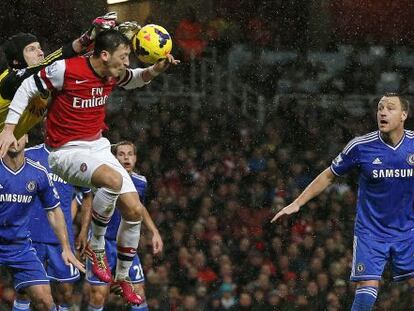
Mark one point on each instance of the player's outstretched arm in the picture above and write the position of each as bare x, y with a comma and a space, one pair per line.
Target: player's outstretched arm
58, 224
319, 184
159, 67
101, 23
138, 77
11, 82
157, 244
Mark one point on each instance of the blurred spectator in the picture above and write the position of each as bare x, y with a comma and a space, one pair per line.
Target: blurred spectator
189, 35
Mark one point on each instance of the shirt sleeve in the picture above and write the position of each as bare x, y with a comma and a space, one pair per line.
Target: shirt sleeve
47, 192
346, 160
133, 79
80, 194
14, 78
50, 77
85, 190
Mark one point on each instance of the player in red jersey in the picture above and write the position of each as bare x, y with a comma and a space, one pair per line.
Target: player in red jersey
79, 154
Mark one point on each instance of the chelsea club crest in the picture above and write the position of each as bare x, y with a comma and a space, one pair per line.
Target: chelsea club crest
31, 186
410, 159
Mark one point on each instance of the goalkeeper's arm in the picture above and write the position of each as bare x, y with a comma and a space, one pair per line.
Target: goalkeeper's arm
11, 82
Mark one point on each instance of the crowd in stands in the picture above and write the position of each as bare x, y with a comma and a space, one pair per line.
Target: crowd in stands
274, 54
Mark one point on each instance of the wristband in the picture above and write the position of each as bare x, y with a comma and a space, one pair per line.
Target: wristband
12, 117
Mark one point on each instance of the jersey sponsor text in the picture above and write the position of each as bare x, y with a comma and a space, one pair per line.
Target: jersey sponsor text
15, 198
393, 173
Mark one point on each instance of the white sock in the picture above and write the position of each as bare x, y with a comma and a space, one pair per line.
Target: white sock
103, 207
127, 241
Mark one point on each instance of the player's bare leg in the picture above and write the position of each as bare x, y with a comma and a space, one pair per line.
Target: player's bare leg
98, 294
63, 294
41, 297
140, 290
127, 242
365, 295
109, 183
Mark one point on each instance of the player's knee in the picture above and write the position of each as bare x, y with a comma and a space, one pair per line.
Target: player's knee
106, 177
133, 213
114, 182
97, 298
67, 297
43, 302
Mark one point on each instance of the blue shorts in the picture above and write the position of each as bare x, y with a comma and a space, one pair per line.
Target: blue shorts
21, 258
370, 258
136, 274
51, 257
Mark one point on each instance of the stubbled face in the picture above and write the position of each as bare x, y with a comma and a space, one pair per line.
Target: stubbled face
117, 62
33, 54
126, 156
21, 143
390, 115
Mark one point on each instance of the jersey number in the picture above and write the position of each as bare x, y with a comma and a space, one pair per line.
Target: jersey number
139, 272
73, 270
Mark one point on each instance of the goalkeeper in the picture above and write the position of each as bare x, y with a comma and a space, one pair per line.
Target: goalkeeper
25, 57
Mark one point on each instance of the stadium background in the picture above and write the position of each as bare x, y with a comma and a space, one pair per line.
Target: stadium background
268, 93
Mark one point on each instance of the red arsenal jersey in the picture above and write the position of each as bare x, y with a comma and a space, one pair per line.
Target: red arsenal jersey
77, 110
79, 95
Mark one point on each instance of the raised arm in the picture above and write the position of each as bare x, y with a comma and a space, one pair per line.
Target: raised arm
14, 78
319, 184
138, 77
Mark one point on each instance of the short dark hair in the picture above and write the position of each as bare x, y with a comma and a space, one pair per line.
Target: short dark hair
405, 104
109, 40
124, 143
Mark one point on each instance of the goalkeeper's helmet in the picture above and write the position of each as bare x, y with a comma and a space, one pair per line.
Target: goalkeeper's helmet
14, 47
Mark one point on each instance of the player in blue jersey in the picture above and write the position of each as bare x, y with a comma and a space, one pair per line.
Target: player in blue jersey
22, 181
45, 241
125, 152
384, 224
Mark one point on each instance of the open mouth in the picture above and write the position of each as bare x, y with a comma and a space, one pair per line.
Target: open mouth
383, 122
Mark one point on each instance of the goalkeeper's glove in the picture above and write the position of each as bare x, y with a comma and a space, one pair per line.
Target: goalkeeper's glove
99, 24
129, 29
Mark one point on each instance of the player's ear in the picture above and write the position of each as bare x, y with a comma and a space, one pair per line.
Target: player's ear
105, 55
404, 116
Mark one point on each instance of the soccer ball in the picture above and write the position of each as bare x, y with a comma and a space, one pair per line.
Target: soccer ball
151, 43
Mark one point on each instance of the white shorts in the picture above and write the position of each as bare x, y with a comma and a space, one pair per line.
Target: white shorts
77, 160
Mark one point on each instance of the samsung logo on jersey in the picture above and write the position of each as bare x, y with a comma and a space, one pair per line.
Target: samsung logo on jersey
15, 198
90, 102
393, 173
56, 178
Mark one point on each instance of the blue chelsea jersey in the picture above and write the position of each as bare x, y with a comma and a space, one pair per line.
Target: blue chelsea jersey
19, 191
385, 205
39, 227
140, 183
